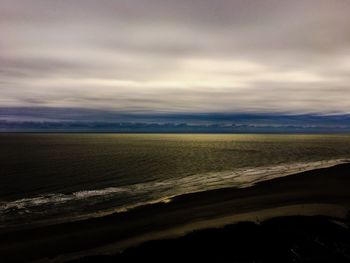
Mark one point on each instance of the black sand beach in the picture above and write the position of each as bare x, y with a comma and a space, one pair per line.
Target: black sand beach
321, 197
282, 239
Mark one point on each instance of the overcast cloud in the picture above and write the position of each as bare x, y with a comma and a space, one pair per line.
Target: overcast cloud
176, 55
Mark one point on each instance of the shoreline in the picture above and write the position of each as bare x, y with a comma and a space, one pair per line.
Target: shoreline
321, 191
239, 178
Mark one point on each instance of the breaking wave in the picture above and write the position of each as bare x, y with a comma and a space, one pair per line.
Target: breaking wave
126, 197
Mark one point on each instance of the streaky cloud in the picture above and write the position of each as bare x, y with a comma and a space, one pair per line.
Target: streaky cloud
165, 56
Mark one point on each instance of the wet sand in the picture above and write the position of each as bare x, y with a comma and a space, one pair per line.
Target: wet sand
321, 192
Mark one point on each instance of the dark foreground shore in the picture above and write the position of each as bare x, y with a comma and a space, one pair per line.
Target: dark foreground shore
275, 231
282, 239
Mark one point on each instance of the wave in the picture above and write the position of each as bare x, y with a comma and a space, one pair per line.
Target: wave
59, 198
158, 191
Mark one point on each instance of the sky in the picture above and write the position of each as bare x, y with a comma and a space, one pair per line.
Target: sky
175, 56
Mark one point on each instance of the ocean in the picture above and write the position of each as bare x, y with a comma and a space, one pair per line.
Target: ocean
48, 178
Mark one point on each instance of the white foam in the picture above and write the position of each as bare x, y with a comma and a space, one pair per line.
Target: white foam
158, 191
59, 198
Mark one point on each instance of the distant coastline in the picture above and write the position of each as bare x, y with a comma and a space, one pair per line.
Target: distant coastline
51, 119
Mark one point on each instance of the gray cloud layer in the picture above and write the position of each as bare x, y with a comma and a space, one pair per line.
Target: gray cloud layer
176, 56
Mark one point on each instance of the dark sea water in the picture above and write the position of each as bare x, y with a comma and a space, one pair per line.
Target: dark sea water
58, 177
